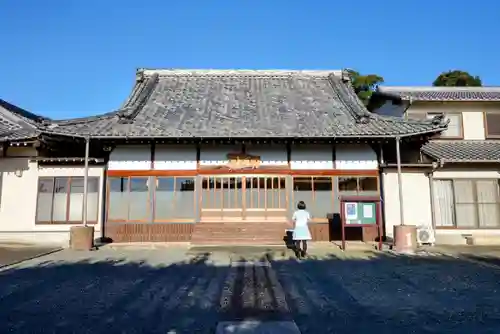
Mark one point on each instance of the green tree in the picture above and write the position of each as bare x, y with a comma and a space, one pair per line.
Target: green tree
365, 85
456, 78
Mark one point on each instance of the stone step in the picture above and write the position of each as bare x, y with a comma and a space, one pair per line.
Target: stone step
239, 233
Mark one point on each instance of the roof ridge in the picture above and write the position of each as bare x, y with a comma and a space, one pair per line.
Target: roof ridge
343, 91
389, 89
135, 104
239, 72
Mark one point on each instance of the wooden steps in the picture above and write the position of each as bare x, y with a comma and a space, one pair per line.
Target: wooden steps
240, 233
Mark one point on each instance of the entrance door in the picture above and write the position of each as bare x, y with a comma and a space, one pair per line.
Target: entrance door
222, 198
242, 197
265, 198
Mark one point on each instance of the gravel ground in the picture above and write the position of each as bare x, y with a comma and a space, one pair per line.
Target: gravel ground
169, 291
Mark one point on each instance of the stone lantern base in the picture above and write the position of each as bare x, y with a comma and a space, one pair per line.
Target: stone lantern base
81, 237
405, 238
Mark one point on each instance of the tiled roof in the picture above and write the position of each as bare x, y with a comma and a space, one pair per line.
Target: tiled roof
431, 93
463, 150
17, 123
245, 104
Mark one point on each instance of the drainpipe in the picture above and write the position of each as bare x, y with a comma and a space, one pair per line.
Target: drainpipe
86, 180
400, 184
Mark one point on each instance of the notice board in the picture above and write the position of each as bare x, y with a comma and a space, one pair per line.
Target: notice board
361, 211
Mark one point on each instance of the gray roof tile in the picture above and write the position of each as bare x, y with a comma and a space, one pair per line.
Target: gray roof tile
463, 150
240, 103
431, 93
17, 123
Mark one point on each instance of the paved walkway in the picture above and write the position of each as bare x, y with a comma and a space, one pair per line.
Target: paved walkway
169, 291
14, 253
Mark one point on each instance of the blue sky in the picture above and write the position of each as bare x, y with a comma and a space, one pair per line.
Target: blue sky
71, 58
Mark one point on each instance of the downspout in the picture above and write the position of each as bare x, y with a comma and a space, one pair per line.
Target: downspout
400, 177
382, 189
400, 184
86, 180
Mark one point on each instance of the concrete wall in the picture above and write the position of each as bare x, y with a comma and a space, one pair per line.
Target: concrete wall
18, 200
416, 199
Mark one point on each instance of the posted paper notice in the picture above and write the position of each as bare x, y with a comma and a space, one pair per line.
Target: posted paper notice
367, 211
351, 211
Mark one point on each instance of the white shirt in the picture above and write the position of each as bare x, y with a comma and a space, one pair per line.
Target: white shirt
301, 217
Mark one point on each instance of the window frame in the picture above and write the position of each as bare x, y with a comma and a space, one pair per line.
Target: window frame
108, 202
442, 134
475, 203
153, 199
311, 178
485, 121
68, 182
357, 191
150, 215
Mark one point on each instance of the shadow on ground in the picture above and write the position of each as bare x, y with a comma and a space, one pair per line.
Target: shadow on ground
382, 294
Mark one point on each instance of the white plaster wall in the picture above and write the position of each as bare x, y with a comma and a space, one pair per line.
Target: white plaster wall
311, 157
355, 157
18, 200
270, 155
212, 155
466, 173
416, 199
175, 157
130, 157
473, 125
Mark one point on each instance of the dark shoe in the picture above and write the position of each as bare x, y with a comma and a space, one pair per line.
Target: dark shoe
298, 254
303, 254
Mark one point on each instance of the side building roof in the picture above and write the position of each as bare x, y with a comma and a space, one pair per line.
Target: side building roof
431, 93
243, 104
17, 123
463, 151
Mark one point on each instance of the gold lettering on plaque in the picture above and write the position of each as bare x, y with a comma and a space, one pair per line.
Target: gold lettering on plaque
243, 161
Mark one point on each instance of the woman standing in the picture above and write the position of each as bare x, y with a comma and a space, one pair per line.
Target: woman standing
301, 232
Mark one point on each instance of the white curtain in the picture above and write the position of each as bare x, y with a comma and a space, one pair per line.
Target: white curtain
465, 203
443, 200
487, 199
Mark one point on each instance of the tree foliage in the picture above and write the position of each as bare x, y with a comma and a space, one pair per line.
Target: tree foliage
365, 85
456, 78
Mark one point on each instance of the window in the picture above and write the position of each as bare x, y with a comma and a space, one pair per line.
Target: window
454, 126
174, 199
358, 184
147, 199
492, 125
464, 203
317, 193
60, 200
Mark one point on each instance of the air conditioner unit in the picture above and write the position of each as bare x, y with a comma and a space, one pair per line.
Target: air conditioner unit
425, 235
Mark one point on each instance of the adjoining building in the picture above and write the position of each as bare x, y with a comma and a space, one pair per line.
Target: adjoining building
451, 183
208, 156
